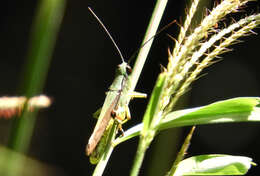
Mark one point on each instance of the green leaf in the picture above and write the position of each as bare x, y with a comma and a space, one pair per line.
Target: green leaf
152, 108
30, 166
242, 109
214, 165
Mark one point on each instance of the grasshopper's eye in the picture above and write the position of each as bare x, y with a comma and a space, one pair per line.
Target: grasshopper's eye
128, 69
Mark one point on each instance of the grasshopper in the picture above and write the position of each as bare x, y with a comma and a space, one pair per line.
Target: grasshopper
116, 101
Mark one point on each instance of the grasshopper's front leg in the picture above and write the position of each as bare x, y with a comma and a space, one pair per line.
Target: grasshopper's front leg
122, 113
137, 95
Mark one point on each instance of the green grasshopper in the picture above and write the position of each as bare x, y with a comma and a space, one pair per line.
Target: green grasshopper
116, 101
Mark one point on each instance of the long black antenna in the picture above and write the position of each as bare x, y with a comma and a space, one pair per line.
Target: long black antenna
104, 27
157, 33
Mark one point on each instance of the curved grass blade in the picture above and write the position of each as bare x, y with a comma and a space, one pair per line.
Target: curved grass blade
242, 109
214, 164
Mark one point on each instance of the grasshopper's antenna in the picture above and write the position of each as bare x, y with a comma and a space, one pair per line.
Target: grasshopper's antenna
104, 27
161, 30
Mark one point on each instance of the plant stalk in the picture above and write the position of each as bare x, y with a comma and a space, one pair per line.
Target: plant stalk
150, 33
142, 147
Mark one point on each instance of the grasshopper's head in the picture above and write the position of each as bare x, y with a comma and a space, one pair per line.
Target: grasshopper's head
123, 69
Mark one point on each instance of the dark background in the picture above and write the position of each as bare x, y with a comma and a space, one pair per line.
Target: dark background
83, 66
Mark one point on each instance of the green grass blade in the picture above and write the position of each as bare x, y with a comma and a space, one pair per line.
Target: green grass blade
243, 109
148, 131
43, 36
42, 41
152, 108
44, 31
214, 165
31, 166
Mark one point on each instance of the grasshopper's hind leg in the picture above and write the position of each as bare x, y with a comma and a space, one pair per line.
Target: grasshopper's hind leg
121, 116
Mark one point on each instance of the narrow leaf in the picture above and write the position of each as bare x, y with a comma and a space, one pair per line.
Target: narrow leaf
214, 165
243, 109
152, 107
